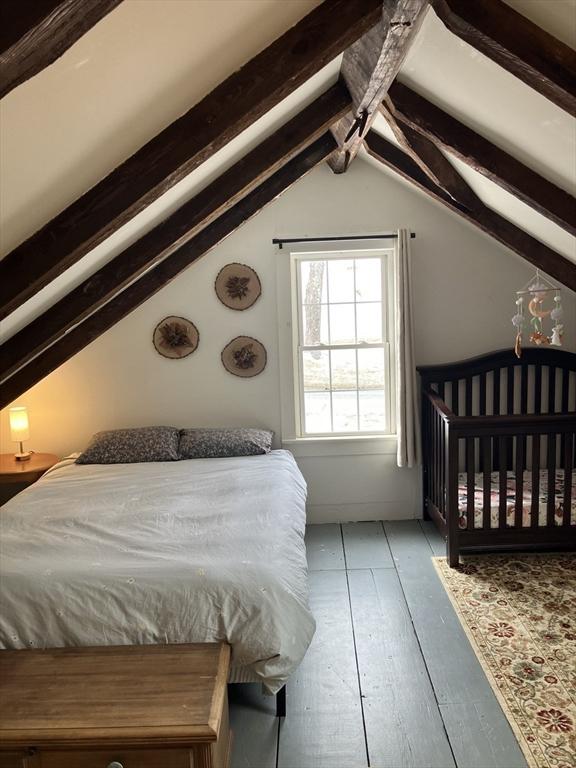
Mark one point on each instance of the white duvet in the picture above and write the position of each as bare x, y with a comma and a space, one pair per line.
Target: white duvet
170, 552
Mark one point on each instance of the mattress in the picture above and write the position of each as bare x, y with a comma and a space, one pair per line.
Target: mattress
201, 550
511, 499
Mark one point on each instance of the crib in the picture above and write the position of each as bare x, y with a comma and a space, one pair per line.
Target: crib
498, 451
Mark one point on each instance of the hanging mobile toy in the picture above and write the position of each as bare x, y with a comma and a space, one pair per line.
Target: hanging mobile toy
538, 289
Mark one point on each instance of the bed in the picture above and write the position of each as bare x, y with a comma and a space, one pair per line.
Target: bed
185, 551
498, 451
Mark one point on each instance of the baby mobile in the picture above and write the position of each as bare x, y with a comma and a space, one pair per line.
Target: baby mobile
537, 293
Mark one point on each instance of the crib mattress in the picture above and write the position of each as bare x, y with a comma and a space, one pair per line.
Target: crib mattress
511, 499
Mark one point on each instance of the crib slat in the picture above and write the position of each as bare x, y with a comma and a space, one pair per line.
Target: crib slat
551, 389
486, 481
524, 389
482, 394
568, 462
520, 464
510, 390
509, 405
502, 484
441, 389
565, 385
496, 391
456, 397
535, 506
433, 456
470, 483
442, 462
538, 389
565, 392
468, 390
551, 467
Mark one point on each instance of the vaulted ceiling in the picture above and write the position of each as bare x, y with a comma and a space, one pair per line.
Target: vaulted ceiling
138, 135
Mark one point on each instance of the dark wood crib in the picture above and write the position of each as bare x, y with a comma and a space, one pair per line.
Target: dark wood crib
498, 451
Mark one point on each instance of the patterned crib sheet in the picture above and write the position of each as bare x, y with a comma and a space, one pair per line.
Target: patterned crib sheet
511, 499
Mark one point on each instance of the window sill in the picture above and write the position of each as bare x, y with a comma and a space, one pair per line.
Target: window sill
355, 445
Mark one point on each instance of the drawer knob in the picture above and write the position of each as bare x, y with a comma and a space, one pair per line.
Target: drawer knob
115, 764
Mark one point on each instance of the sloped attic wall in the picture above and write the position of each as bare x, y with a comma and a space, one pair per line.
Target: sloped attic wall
464, 287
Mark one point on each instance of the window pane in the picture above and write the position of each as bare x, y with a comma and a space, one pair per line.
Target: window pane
345, 413
341, 280
313, 282
368, 280
343, 369
372, 410
315, 324
317, 412
316, 371
370, 368
369, 322
342, 329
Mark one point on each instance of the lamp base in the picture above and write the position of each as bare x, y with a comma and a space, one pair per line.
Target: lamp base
23, 456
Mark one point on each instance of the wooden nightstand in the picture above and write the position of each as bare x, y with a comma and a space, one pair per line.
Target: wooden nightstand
12, 471
18, 474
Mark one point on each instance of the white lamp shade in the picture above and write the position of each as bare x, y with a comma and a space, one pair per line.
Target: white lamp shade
19, 425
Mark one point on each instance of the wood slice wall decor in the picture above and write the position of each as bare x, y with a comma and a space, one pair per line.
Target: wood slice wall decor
176, 337
238, 286
244, 357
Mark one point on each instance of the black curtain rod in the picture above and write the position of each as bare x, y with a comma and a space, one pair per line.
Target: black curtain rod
280, 241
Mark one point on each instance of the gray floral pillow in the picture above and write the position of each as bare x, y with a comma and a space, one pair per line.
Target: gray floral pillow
128, 446
204, 443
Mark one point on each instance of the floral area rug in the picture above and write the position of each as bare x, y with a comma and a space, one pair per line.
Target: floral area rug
519, 612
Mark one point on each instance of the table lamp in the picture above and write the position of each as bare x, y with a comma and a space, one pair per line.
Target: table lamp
20, 430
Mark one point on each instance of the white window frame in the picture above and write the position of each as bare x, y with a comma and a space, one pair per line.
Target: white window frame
328, 252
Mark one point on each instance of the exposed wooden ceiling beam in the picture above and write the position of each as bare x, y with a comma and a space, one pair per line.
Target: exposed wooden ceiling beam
34, 33
181, 147
160, 275
368, 67
176, 230
483, 156
431, 160
514, 238
517, 44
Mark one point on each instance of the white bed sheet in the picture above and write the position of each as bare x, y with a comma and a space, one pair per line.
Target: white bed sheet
169, 552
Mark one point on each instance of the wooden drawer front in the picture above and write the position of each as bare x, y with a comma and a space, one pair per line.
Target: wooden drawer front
127, 758
13, 760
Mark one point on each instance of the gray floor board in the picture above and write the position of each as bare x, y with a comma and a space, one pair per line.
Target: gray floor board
435, 540
324, 547
491, 744
366, 546
254, 726
323, 727
455, 672
403, 725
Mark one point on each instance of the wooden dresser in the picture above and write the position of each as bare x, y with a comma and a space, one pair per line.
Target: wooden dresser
154, 706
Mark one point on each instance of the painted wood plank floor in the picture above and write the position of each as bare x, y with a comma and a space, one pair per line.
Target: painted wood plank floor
390, 680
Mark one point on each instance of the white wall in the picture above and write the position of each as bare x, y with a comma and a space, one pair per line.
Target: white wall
464, 287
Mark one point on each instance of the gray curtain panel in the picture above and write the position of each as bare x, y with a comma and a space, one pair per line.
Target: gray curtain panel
407, 408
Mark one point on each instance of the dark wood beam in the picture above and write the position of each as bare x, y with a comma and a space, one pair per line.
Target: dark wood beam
34, 33
516, 44
368, 67
181, 147
514, 238
176, 230
483, 156
160, 275
431, 160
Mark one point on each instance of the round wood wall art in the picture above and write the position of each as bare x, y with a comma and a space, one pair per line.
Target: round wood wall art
244, 356
175, 337
238, 286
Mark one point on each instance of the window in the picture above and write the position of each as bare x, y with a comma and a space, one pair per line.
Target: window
342, 334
